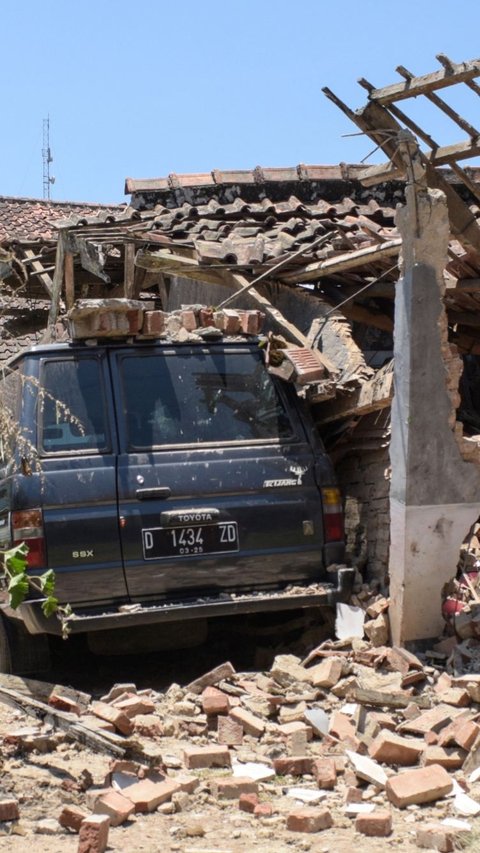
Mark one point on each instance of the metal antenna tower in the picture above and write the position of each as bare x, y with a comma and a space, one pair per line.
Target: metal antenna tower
47, 159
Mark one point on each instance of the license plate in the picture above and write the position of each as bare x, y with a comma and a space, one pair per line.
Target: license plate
218, 538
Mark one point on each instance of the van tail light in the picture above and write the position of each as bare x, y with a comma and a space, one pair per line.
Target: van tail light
27, 526
332, 514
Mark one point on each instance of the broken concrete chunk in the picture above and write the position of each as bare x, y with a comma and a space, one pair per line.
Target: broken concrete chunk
378, 630
318, 720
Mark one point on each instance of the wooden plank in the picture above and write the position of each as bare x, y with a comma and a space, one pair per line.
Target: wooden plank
342, 263
468, 285
442, 105
39, 269
459, 151
379, 174
57, 284
69, 281
129, 271
166, 262
460, 73
373, 395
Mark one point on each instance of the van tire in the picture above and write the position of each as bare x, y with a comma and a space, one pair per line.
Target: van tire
22, 653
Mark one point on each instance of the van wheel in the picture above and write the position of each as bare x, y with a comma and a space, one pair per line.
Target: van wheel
22, 653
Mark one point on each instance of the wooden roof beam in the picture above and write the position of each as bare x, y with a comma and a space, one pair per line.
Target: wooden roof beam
342, 263
461, 73
442, 105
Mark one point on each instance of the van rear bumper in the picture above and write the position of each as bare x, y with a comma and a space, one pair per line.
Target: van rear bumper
204, 607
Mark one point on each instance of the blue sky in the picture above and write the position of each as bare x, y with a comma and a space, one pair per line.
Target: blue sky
146, 88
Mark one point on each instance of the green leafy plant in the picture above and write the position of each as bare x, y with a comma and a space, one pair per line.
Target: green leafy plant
14, 564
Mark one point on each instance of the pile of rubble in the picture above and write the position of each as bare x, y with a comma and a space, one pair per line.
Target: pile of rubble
355, 738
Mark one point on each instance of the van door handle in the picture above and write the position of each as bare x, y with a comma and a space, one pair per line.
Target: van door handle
161, 492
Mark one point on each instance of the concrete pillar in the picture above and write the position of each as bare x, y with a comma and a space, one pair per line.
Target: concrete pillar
434, 494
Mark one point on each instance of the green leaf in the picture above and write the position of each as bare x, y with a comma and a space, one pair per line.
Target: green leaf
50, 605
47, 582
18, 589
15, 559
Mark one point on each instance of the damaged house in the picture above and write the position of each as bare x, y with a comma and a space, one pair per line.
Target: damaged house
368, 266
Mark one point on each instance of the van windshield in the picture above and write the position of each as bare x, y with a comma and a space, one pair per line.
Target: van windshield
190, 398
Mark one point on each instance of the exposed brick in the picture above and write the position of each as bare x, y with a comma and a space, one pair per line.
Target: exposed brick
147, 795
342, 728
135, 705
294, 765
377, 823
71, 817
466, 734
309, 820
206, 317
325, 772
114, 716
224, 670
391, 748
287, 729
450, 758
148, 725
93, 836
308, 365
117, 806
251, 724
189, 320
456, 696
9, 809
229, 732
327, 673
231, 787
424, 785
153, 323
188, 784
435, 836
251, 322
248, 802
197, 757
353, 795
215, 702
64, 703
228, 321
263, 810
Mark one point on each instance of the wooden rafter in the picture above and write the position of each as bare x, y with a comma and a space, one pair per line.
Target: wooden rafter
461, 73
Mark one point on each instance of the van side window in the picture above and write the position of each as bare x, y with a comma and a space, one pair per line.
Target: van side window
10, 385
190, 398
71, 401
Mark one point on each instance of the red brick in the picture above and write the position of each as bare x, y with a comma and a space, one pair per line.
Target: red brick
252, 725
450, 758
231, 787
9, 809
189, 321
295, 765
327, 673
135, 705
117, 806
288, 729
263, 810
197, 757
309, 820
153, 323
251, 322
147, 795
71, 817
229, 732
424, 785
228, 321
391, 748
248, 802
215, 702
308, 365
342, 728
325, 772
63, 703
378, 823
94, 834
148, 725
114, 716
224, 670
188, 784
353, 795
206, 317
435, 836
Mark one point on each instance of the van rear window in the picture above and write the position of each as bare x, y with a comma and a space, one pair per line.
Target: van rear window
191, 398
71, 406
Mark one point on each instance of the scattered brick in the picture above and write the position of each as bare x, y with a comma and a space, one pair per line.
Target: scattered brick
325, 772
188, 784
251, 724
64, 703
342, 728
295, 765
148, 725
9, 809
93, 836
450, 758
197, 757
153, 323
215, 702
225, 670
309, 820
377, 823
424, 785
147, 795
231, 787
71, 817
327, 673
434, 836
390, 748
114, 716
229, 732
135, 705
117, 806
263, 810
248, 802
287, 729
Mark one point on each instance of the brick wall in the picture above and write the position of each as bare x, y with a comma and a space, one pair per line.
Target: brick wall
363, 471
